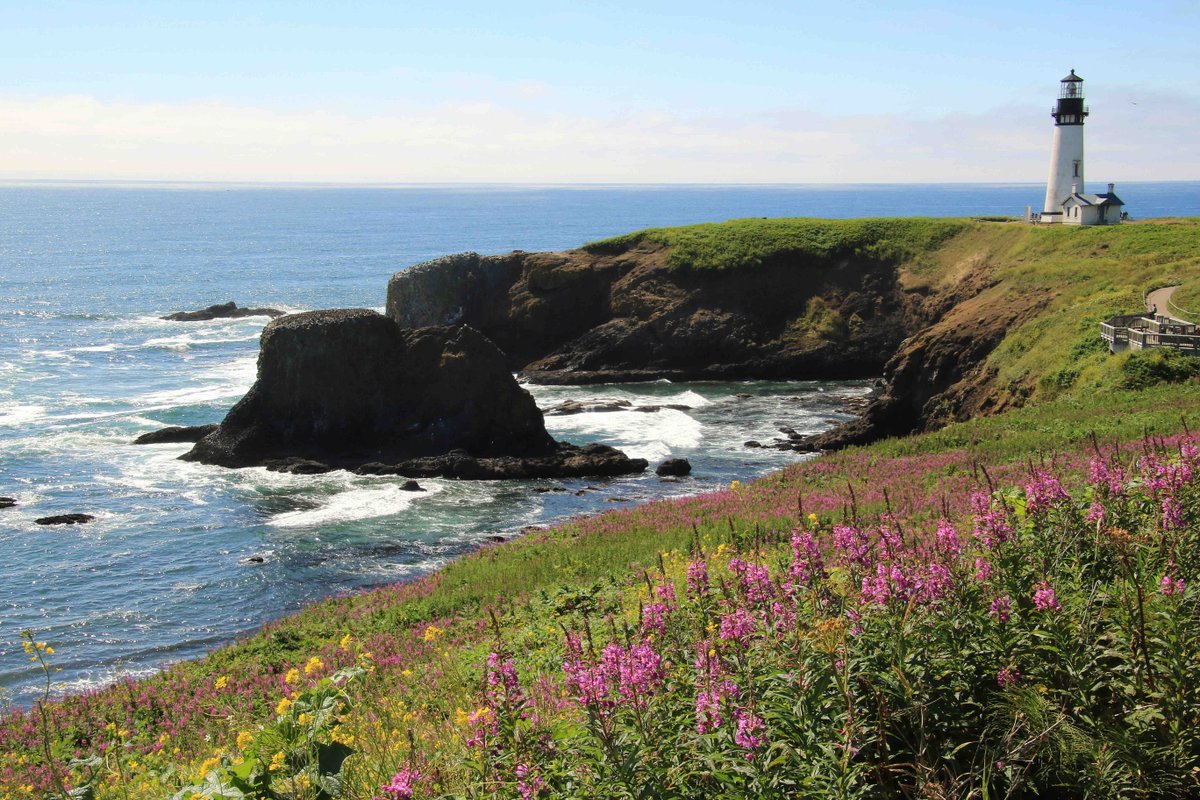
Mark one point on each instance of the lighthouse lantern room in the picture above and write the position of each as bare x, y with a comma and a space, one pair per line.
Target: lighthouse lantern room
1066, 199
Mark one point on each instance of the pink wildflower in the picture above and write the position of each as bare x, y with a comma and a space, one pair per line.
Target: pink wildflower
983, 569
1102, 475
992, 526
654, 618
738, 626
1044, 598
1097, 513
1169, 586
1000, 609
754, 580
807, 564
697, 579
402, 785
1007, 676
947, 538
529, 782
852, 544
748, 730
1043, 491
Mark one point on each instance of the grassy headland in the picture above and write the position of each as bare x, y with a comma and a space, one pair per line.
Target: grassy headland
1006, 606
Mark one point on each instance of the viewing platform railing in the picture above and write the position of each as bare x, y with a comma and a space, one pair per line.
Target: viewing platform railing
1142, 331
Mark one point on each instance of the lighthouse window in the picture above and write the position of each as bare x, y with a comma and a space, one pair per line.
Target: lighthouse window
1075, 167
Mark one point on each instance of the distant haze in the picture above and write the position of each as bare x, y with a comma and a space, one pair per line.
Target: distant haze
560, 92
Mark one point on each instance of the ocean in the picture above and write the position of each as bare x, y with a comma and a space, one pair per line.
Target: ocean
163, 574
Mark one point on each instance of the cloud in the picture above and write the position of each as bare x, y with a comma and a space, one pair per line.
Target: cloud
507, 139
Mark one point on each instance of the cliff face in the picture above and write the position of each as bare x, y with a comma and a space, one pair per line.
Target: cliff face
582, 317
959, 317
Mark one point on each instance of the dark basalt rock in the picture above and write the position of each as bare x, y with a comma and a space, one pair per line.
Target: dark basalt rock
298, 466
570, 407
411, 486
7, 502
64, 519
176, 433
567, 461
676, 467
228, 310
351, 389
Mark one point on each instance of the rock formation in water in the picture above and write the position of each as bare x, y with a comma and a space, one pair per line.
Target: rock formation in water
228, 310
352, 389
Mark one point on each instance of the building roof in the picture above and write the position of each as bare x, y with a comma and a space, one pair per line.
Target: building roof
1072, 78
1095, 199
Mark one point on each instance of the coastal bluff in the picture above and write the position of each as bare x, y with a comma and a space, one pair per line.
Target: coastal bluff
351, 389
746, 299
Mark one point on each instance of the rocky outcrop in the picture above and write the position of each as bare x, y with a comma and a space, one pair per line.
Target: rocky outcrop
64, 519
674, 467
176, 433
228, 310
7, 502
346, 388
626, 313
629, 315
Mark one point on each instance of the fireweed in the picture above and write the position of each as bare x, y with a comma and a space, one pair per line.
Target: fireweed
903, 626
1050, 654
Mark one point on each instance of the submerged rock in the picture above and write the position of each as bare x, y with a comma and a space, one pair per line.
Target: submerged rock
64, 519
7, 502
228, 310
675, 467
351, 389
176, 433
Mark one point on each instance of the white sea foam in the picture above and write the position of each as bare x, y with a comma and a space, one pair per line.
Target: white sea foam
639, 434
351, 505
18, 414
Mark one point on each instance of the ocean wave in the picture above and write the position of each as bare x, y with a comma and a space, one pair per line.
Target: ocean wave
15, 414
352, 505
640, 435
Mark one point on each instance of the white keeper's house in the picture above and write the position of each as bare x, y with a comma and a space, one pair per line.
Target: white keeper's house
1067, 201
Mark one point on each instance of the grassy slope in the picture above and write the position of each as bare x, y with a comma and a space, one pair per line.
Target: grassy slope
1095, 272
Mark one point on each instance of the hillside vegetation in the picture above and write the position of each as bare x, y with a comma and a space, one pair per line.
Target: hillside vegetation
1008, 606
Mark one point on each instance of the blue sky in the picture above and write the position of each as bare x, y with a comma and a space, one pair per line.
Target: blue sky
615, 91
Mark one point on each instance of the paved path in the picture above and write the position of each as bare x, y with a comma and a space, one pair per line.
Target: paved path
1161, 299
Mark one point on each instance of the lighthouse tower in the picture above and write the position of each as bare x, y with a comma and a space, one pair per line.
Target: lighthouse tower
1066, 156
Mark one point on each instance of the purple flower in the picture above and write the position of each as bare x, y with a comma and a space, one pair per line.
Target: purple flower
708, 710
1169, 586
1007, 676
983, 569
654, 618
738, 626
1102, 475
1043, 491
402, 785
1001, 609
1097, 513
991, 523
748, 735
947, 538
1044, 598
754, 580
852, 544
697, 579
807, 564
1172, 514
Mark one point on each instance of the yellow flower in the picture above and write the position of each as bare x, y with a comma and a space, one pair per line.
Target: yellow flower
208, 765
812, 520
111, 727
338, 734
462, 717
433, 632
276, 761
314, 664
49, 651
244, 739
735, 485
222, 682
292, 676
344, 644
406, 673
284, 706
305, 718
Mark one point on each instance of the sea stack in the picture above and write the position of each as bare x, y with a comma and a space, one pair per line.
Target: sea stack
351, 388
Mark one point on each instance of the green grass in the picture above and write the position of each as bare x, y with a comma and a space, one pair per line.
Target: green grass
742, 243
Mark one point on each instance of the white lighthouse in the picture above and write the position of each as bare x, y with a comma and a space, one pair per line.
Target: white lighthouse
1067, 201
